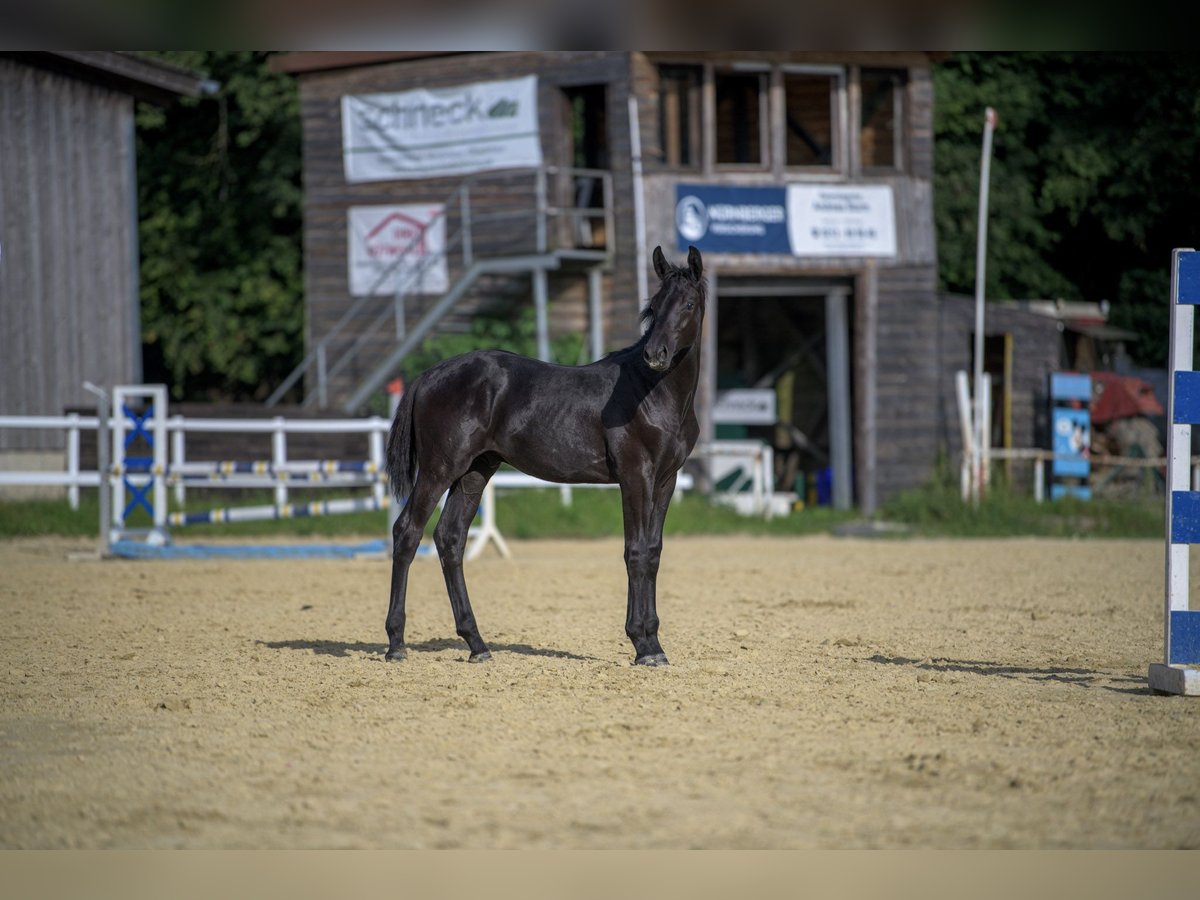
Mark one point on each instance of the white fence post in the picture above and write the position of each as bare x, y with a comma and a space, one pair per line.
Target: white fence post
178, 458
279, 458
375, 446
73, 460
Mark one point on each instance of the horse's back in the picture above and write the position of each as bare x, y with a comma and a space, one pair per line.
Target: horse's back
542, 418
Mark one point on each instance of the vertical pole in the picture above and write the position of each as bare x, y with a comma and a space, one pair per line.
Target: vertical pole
1179, 453
543, 321
464, 205
962, 388
178, 457
73, 460
985, 448
639, 203
1039, 480
117, 435
867, 318
158, 394
540, 191
375, 443
278, 459
103, 465
595, 318
394, 505
322, 377
985, 164
838, 377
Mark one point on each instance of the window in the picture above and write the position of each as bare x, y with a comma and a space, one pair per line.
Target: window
679, 114
741, 97
882, 92
809, 118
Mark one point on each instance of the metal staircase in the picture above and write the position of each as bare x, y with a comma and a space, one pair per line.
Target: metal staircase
497, 225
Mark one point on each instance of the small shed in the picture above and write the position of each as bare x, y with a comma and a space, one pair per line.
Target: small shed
442, 186
68, 228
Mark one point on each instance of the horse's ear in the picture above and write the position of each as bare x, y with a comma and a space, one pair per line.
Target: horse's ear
695, 263
660, 263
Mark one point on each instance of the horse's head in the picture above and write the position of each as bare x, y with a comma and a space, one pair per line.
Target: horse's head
676, 312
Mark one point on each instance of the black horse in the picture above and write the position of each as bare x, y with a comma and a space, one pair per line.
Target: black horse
627, 418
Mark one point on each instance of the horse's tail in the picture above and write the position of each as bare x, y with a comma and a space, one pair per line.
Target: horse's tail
401, 451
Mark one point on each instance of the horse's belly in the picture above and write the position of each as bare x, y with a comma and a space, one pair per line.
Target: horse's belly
564, 467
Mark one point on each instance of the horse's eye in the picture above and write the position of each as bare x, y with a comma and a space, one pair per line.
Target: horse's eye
690, 305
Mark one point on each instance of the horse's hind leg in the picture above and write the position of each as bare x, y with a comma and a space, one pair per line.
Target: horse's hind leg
450, 537
406, 538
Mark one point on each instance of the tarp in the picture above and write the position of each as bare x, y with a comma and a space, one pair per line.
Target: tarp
1121, 396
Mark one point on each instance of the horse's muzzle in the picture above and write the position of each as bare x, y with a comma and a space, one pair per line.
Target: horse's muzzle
658, 359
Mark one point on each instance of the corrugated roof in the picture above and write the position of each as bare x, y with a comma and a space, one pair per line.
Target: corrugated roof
138, 76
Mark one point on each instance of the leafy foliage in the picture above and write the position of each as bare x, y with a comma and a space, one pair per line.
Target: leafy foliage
1095, 177
219, 201
517, 335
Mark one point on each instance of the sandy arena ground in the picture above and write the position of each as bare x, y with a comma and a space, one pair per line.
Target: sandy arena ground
824, 692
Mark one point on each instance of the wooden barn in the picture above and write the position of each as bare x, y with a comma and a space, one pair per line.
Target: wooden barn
440, 187
68, 230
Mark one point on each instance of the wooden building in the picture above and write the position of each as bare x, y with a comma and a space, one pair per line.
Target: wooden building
68, 228
804, 178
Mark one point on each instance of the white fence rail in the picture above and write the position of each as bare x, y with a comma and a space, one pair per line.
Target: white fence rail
170, 466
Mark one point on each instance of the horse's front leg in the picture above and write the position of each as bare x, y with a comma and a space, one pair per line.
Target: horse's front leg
644, 503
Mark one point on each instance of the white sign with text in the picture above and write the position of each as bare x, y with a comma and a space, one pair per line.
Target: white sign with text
837, 220
428, 133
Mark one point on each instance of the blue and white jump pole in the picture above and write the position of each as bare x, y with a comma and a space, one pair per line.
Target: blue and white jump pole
1180, 671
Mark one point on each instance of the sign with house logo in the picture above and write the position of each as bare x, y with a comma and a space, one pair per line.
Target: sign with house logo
397, 248
427, 133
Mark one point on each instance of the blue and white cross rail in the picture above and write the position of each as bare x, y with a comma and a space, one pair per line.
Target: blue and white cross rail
1180, 673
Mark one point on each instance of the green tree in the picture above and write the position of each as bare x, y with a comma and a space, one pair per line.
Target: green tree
219, 201
1095, 177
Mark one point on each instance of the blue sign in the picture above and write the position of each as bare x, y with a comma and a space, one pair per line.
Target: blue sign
732, 219
1072, 439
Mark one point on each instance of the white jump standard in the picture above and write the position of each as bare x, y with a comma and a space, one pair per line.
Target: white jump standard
1180, 672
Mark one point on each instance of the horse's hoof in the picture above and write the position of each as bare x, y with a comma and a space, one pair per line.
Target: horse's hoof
396, 654
481, 656
655, 659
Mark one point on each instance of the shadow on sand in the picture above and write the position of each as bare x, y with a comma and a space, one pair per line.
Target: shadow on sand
346, 648
1087, 678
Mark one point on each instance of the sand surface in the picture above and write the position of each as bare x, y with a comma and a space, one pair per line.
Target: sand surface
823, 692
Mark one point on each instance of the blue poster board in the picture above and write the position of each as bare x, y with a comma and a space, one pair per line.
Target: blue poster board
1071, 435
731, 219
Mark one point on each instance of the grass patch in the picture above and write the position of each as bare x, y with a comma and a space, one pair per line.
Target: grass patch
597, 513
937, 510
36, 518
934, 510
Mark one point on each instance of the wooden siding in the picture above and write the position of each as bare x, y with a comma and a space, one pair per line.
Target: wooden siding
907, 378
68, 269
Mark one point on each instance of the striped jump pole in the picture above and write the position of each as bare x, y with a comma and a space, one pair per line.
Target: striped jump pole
1179, 673
262, 513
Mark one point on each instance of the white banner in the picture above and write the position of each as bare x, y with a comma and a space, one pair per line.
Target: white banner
841, 221
744, 406
443, 131
397, 247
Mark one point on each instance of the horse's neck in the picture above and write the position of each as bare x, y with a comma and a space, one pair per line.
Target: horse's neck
681, 382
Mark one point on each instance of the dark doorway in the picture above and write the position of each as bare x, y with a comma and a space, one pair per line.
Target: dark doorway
791, 337
587, 110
